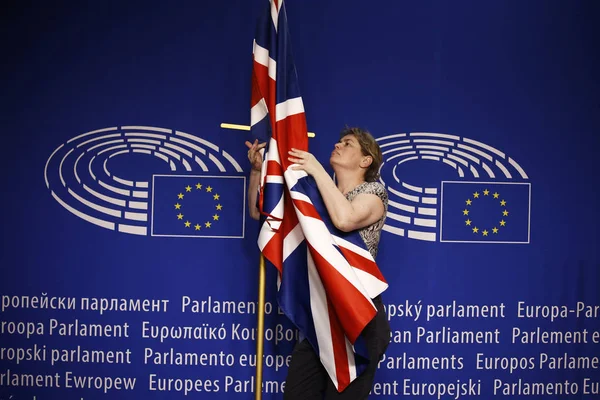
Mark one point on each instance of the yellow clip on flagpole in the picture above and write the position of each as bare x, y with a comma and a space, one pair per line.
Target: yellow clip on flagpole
247, 128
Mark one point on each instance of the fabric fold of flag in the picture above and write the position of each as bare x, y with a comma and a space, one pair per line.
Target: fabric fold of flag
327, 277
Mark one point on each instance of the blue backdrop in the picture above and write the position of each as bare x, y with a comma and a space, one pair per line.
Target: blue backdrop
129, 264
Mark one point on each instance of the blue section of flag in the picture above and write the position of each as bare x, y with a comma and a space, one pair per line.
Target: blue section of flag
485, 212
198, 206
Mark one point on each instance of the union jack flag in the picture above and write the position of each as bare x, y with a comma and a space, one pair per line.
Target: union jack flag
327, 277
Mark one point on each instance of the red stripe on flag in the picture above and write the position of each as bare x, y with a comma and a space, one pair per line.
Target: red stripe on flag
307, 209
291, 133
290, 219
362, 263
266, 87
256, 94
353, 309
340, 356
274, 169
273, 251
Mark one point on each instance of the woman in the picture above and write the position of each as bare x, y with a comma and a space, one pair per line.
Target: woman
356, 201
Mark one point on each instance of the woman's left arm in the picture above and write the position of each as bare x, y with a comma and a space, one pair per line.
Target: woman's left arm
364, 210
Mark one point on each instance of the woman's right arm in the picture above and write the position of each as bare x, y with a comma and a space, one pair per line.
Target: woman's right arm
255, 159
253, 185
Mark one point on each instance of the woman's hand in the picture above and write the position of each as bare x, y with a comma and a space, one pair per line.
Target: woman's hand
254, 155
306, 161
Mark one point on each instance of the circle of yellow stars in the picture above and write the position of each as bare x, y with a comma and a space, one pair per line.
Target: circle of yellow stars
198, 226
477, 230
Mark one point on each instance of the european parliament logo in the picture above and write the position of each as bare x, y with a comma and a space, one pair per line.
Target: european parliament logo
129, 179
488, 202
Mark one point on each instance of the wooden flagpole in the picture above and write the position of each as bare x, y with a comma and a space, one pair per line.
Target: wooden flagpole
260, 329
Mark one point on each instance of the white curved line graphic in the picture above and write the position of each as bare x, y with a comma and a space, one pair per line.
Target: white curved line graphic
95, 221
485, 146
437, 135
90, 168
104, 144
146, 135
445, 143
232, 161
108, 199
188, 144
105, 168
143, 146
217, 162
75, 167
503, 168
179, 149
393, 143
120, 146
404, 196
466, 155
396, 135
149, 141
518, 168
148, 128
98, 138
91, 133
60, 167
197, 139
105, 210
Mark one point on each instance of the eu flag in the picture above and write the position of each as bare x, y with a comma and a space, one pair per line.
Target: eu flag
485, 212
198, 206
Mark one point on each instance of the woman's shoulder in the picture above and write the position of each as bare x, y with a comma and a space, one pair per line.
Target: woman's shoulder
375, 188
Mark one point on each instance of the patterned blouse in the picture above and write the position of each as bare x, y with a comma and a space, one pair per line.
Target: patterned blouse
372, 233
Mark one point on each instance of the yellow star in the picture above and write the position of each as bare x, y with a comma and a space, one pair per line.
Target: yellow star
177, 206
502, 223
495, 230
198, 186
496, 195
207, 224
188, 224
485, 232
180, 216
475, 230
208, 189
468, 222
216, 217
505, 213
180, 196
486, 192
216, 196
197, 226
476, 195
219, 207
465, 212
503, 203
188, 188
469, 202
